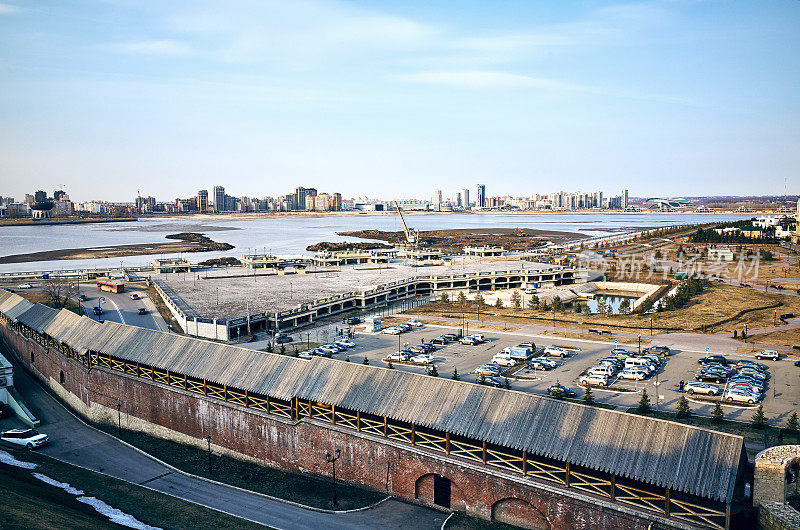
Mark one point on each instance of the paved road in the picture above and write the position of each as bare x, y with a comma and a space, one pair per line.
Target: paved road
75, 442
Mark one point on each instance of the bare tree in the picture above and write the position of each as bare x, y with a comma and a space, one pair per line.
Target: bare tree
59, 291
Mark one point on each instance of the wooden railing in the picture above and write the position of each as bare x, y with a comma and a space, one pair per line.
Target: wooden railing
635, 494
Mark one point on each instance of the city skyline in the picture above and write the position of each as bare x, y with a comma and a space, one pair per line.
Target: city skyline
382, 99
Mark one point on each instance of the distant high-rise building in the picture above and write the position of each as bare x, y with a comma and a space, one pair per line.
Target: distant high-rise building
480, 199
336, 202
623, 199
58, 194
40, 196
465, 197
458, 199
202, 201
437, 199
299, 198
29, 199
219, 198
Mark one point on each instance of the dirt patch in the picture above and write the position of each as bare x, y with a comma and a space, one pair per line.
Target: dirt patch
593, 337
454, 241
188, 242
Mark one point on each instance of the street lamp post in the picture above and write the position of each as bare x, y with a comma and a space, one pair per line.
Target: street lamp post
208, 440
640, 343
331, 459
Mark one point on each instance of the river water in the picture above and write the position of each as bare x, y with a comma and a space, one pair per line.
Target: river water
289, 236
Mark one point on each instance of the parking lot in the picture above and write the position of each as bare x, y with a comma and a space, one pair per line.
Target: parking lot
781, 393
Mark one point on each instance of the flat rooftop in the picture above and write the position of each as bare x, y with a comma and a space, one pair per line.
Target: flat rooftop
215, 294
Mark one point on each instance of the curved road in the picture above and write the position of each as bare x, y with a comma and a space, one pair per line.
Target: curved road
75, 442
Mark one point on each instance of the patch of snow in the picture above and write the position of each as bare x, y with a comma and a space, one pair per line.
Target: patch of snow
63, 485
115, 515
6, 458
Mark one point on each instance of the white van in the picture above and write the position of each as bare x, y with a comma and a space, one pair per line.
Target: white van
639, 362
504, 359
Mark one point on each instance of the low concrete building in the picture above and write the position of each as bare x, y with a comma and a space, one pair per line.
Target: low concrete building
422, 258
348, 257
260, 261
171, 265
720, 254
484, 251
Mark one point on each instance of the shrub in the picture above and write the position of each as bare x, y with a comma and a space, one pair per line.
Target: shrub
684, 411
792, 423
455, 376
588, 397
433, 372
717, 416
498, 303
445, 299
759, 420
390, 366
644, 403
516, 300
462, 298
366, 361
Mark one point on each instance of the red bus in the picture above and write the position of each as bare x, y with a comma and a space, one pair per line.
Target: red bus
111, 287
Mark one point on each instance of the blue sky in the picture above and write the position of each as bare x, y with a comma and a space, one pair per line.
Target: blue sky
396, 98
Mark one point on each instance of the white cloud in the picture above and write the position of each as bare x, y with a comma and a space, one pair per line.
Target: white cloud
6, 9
154, 47
485, 79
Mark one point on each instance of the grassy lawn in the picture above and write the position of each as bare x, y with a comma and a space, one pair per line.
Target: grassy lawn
789, 337
772, 435
304, 489
710, 309
31, 503
42, 298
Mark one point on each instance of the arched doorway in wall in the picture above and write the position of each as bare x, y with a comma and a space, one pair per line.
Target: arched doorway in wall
433, 488
519, 512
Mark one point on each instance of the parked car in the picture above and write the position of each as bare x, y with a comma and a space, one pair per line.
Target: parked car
541, 363
25, 286
282, 338
28, 438
414, 323
527, 344
487, 369
797, 363
428, 347
422, 358
480, 337
605, 371
305, 354
441, 339
556, 351
353, 321
714, 377
633, 373
622, 352
402, 355
741, 396
659, 350
134, 296
657, 361
697, 387
768, 354
82, 297
718, 359
470, 341
593, 380
560, 390
492, 381
141, 311
394, 330
347, 343
452, 337
758, 375
747, 362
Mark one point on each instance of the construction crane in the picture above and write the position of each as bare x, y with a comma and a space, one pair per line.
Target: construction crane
412, 237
